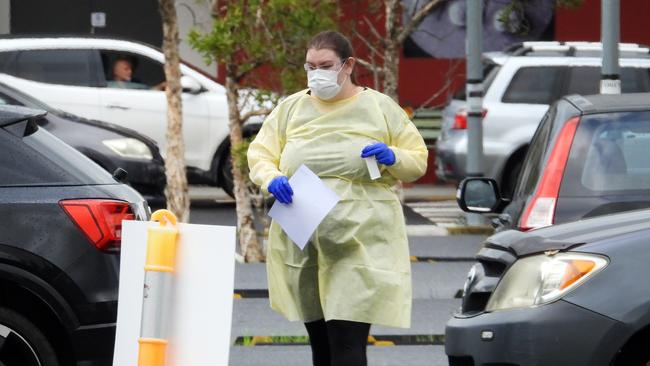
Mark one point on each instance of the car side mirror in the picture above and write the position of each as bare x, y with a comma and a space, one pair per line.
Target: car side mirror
480, 195
120, 175
190, 85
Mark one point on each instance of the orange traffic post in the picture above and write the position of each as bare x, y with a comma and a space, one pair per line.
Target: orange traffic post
156, 300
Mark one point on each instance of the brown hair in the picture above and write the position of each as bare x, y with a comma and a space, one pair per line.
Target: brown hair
336, 42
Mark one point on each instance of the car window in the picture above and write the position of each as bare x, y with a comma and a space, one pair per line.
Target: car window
490, 71
146, 73
6, 58
609, 155
41, 159
532, 166
586, 80
64, 67
534, 85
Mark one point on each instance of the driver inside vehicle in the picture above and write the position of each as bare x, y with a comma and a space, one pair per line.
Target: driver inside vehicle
122, 76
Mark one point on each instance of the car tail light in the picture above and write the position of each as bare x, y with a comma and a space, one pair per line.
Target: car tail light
460, 120
100, 220
540, 210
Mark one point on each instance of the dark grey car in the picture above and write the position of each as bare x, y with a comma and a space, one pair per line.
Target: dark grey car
573, 294
589, 157
108, 145
60, 236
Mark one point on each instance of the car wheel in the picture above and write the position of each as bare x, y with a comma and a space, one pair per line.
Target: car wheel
22, 343
225, 175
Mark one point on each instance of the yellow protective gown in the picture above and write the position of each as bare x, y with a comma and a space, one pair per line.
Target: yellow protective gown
356, 266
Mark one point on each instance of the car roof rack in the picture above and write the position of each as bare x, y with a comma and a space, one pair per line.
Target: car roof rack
573, 49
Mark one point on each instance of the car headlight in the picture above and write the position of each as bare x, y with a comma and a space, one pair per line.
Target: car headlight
541, 279
129, 148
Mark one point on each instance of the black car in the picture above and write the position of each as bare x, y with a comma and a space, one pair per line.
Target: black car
108, 145
573, 294
60, 233
589, 157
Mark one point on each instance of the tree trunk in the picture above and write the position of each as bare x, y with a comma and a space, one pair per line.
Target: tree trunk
176, 192
391, 71
250, 246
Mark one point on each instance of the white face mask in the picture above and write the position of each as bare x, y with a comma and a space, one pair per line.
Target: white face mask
323, 83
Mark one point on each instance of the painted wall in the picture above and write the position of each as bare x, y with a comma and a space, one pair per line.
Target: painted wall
584, 23
4, 16
422, 77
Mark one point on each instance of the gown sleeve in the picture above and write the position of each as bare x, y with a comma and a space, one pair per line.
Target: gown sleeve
406, 142
264, 152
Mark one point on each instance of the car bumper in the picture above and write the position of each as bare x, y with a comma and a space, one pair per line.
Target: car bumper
555, 334
451, 159
94, 343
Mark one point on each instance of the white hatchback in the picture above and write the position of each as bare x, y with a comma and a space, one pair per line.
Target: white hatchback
74, 74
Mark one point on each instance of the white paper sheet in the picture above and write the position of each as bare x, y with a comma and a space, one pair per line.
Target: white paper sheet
312, 201
202, 302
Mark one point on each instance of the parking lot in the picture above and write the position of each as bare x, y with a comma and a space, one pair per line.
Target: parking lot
513, 135
439, 265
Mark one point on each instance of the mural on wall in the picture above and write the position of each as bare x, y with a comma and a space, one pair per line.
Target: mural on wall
505, 22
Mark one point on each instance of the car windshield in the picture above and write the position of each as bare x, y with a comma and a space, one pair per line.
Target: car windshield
609, 155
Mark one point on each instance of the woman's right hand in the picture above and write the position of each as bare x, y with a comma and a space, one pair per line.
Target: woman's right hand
281, 190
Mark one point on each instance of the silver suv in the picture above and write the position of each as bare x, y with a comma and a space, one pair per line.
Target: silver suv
519, 85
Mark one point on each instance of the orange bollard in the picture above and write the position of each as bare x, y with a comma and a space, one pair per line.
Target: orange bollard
156, 300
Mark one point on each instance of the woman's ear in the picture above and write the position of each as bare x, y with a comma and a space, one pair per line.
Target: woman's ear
351, 62
349, 65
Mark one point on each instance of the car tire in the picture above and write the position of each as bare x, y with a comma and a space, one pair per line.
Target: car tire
225, 174
22, 343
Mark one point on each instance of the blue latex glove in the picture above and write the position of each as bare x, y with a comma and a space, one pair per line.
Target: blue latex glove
381, 151
281, 189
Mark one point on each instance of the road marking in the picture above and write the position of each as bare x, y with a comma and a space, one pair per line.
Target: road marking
439, 212
373, 340
425, 230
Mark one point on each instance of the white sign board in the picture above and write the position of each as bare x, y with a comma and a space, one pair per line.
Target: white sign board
203, 295
98, 20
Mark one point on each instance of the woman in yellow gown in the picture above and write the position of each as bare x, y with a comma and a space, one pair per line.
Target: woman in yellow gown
355, 270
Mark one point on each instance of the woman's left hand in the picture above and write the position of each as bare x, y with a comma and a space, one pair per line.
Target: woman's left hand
381, 151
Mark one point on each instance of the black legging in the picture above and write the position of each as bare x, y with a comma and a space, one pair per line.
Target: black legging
338, 342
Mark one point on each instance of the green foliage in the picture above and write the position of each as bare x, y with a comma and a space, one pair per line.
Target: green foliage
247, 34
515, 8
238, 153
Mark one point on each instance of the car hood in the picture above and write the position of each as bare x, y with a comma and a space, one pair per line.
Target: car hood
109, 126
567, 236
127, 132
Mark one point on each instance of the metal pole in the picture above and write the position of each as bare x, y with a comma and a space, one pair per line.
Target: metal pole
474, 88
610, 82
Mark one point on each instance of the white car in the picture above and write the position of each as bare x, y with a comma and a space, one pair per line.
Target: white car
74, 74
519, 85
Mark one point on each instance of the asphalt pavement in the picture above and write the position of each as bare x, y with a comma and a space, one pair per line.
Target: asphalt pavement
440, 263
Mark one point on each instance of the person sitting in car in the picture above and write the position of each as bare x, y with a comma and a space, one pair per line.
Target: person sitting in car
123, 73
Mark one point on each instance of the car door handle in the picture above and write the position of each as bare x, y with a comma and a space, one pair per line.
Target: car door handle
117, 106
